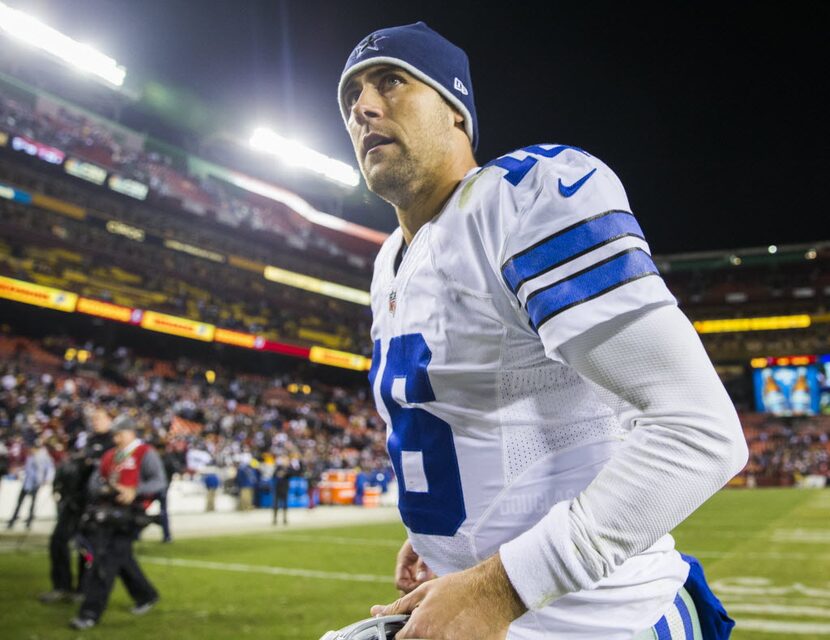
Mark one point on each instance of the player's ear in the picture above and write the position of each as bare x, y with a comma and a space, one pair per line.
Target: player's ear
458, 120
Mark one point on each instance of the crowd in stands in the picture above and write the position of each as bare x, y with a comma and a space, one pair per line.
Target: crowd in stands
768, 285
756, 287
171, 183
784, 452
226, 423
746, 345
56, 251
762, 285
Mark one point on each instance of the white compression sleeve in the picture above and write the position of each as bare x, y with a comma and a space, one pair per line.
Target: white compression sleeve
686, 442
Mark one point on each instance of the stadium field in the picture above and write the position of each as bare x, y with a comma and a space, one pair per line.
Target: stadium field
766, 552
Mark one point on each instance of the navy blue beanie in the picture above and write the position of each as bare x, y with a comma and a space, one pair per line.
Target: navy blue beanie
425, 54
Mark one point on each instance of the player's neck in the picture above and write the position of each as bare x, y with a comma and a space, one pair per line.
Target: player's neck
428, 201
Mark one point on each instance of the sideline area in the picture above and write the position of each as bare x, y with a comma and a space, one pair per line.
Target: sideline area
188, 519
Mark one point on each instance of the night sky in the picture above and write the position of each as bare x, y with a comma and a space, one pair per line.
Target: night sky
710, 113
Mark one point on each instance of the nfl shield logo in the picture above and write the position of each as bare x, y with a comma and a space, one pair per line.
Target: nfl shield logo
393, 302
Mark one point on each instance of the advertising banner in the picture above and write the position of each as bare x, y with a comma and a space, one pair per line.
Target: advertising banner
769, 323
29, 293
59, 206
324, 287
194, 250
174, 325
236, 338
341, 359
282, 347
10, 193
244, 263
104, 310
128, 231
38, 149
128, 187
86, 171
787, 390
824, 384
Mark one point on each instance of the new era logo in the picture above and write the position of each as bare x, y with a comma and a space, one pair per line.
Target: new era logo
459, 86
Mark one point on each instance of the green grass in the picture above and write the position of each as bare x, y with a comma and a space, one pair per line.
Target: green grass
778, 536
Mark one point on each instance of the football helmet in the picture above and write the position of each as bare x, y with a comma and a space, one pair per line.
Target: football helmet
380, 628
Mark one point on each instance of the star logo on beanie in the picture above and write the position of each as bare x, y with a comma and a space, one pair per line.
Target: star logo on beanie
369, 43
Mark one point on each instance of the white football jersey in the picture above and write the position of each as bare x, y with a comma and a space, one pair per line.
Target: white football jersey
488, 427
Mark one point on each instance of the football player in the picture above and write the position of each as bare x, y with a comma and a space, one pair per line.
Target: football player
551, 414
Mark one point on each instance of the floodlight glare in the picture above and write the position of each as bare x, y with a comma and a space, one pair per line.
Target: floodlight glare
296, 154
82, 56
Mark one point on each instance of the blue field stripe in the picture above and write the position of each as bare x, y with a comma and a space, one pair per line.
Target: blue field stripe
588, 284
662, 629
567, 244
685, 616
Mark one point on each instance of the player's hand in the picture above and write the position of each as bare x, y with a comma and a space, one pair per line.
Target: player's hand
410, 569
126, 495
477, 603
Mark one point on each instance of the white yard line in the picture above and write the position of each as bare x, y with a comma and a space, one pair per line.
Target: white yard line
274, 571
778, 609
770, 555
788, 628
803, 536
380, 542
758, 586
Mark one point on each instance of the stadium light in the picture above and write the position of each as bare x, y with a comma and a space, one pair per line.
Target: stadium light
296, 154
32, 31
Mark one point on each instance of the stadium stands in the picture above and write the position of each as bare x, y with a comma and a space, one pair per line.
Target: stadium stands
239, 417
48, 249
235, 418
170, 182
784, 453
752, 283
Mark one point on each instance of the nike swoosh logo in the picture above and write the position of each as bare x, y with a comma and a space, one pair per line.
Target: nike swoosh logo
568, 190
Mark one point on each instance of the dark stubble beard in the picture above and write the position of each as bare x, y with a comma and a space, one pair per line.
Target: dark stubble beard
395, 182
402, 179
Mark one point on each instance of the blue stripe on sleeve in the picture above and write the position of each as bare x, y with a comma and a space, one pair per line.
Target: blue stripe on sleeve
662, 629
567, 244
685, 616
588, 284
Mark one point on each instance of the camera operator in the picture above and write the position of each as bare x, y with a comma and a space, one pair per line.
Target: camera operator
70, 485
124, 485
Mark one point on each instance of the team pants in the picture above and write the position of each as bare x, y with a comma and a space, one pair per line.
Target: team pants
60, 556
280, 502
113, 556
246, 499
23, 493
165, 518
679, 623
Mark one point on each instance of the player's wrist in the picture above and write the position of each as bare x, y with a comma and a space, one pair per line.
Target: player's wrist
495, 580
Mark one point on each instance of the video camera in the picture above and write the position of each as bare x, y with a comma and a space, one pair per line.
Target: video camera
106, 513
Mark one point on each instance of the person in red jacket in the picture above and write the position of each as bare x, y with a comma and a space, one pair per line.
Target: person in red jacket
128, 478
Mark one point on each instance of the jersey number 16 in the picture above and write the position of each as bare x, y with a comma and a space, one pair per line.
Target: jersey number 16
420, 445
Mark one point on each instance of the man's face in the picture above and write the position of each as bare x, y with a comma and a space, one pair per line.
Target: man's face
400, 128
123, 438
101, 421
